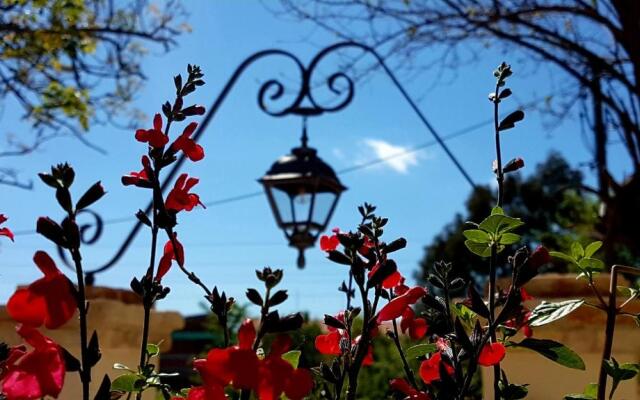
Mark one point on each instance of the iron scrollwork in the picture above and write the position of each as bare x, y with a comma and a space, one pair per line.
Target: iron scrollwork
304, 103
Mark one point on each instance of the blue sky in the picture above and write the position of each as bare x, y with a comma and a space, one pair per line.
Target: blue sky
224, 244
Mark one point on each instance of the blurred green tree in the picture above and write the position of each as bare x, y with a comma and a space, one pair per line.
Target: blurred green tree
554, 205
70, 63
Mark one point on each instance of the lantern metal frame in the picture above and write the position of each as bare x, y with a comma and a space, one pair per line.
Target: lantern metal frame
301, 169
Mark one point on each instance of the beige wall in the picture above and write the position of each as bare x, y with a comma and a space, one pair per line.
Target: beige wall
583, 332
119, 330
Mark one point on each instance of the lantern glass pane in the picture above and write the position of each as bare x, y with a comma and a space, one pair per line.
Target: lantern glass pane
283, 202
302, 203
323, 203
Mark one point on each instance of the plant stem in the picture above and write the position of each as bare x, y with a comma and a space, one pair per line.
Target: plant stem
407, 370
493, 259
85, 370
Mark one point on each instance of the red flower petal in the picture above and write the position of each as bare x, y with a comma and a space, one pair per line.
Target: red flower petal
491, 354
38, 373
329, 243
418, 328
397, 306
329, 344
299, 384
48, 301
157, 122
246, 334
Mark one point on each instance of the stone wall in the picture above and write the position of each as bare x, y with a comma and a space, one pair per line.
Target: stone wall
117, 317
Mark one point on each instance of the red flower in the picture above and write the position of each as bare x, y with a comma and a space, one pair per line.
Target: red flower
36, 374
396, 307
525, 296
240, 366
153, 136
168, 256
539, 257
5, 231
521, 321
329, 344
491, 354
390, 281
402, 386
329, 243
179, 198
140, 179
48, 301
417, 326
430, 369
366, 246
189, 147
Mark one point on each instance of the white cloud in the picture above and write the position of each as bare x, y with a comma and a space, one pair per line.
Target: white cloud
398, 158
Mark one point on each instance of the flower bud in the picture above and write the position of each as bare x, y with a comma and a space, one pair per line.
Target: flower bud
513, 165
93, 194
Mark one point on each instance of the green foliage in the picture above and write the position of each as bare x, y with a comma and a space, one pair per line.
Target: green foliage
590, 393
620, 372
554, 351
546, 312
495, 229
53, 52
582, 259
556, 211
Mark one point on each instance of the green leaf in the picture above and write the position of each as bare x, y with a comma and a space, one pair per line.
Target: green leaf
497, 211
153, 349
420, 350
481, 249
499, 223
577, 251
128, 383
564, 257
546, 312
554, 351
465, 314
592, 248
509, 238
292, 357
627, 291
476, 235
591, 264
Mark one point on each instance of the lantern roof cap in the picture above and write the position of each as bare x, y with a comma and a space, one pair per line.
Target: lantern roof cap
303, 163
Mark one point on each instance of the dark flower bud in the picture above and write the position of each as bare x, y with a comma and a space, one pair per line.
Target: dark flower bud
254, 297
513, 165
142, 217
381, 273
278, 298
289, 322
339, 257
64, 199
333, 322
61, 176
136, 286
396, 245
93, 194
52, 231
270, 277
65, 174
49, 180
194, 110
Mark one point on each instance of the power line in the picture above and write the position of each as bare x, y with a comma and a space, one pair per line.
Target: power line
353, 168
414, 149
